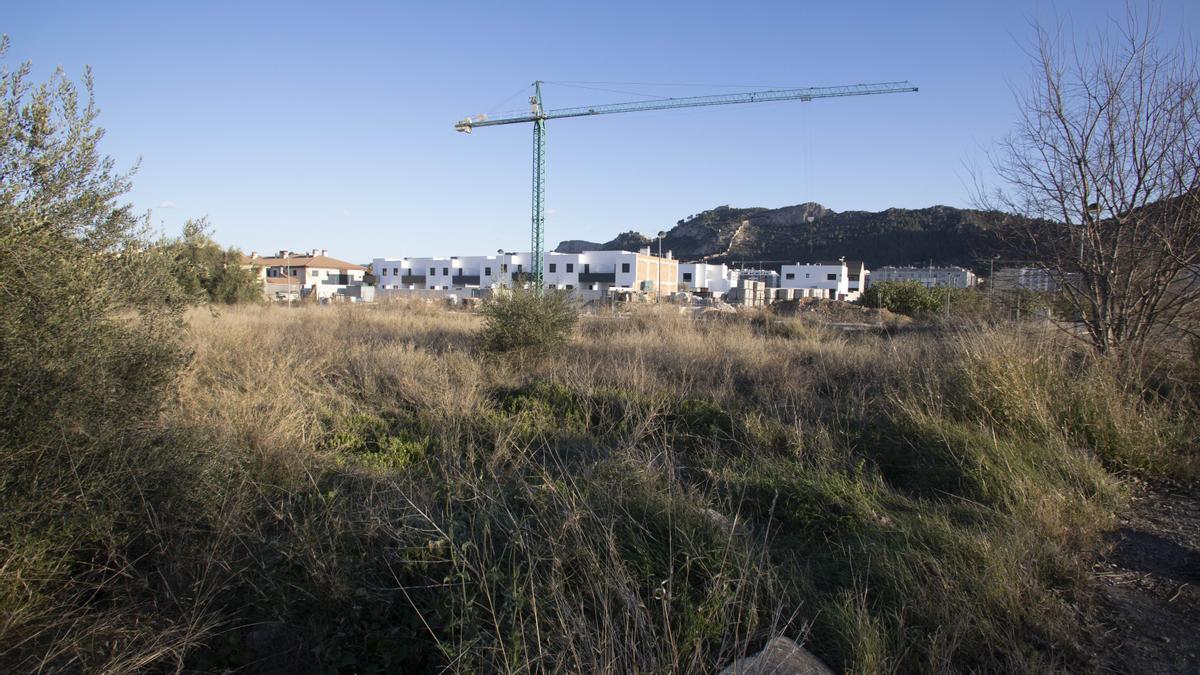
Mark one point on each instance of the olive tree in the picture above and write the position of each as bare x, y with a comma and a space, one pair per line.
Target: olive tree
89, 346
1103, 169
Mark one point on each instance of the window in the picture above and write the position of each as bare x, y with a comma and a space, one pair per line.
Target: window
518, 268
807, 275
587, 268
314, 273
624, 268
393, 271
503, 268
552, 266
570, 267
790, 275
687, 276
293, 272
570, 287
432, 272
487, 271
831, 277
445, 271
383, 272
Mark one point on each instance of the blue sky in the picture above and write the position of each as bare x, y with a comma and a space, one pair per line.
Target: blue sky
330, 125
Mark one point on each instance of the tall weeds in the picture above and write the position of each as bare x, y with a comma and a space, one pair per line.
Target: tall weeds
366, 489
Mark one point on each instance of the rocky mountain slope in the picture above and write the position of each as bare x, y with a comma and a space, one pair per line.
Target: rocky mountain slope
810, 232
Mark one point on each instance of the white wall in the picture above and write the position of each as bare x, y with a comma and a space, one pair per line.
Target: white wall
718, 279
833, 279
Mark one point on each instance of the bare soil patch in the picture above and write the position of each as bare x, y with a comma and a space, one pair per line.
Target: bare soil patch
1147, 583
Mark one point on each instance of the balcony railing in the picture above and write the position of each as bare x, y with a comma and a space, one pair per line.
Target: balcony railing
521, 277
597, 277
465, 280
412, 279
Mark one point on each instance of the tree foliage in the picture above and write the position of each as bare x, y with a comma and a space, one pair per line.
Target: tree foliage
208, 273
1104, 167
89, 324
88, 311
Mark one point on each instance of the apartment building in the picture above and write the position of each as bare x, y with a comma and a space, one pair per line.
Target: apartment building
707, 278
930, 277
822, 279
1025, 278
288, 275
590, 274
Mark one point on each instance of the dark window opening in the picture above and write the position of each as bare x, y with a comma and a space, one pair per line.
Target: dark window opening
487, 271
624, 268
790, 275
570, 267
552, 268
687, 276
831, 277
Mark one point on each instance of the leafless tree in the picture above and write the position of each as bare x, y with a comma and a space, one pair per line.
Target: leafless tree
1103, 170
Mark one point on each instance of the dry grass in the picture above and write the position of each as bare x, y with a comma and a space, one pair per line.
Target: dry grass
370, 490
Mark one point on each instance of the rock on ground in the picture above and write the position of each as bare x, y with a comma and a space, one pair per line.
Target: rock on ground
781, 656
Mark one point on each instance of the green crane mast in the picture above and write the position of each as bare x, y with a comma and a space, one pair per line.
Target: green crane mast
538, 115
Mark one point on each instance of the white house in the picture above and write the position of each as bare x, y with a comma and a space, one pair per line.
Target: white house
931, 277
715, 279
823, 279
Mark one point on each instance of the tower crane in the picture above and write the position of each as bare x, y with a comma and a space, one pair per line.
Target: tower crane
538, 115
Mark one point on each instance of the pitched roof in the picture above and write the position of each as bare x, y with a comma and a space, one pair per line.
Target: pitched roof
302, 261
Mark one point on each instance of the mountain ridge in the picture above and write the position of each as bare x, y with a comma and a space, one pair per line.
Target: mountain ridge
809, 231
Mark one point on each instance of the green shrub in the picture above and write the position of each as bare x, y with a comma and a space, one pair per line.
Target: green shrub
90, 321
523, 320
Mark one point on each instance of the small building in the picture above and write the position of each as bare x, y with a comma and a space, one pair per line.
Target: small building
822, 279
930, 277
707, 278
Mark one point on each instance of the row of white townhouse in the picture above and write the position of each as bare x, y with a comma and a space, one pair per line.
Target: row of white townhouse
590, 274
598, 274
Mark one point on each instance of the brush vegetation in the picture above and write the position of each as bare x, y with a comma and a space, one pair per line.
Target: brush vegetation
371, 489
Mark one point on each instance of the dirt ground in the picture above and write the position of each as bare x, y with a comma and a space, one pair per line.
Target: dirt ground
1147, 585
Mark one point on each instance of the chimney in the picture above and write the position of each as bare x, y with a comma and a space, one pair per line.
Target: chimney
254, 255
669, 252
324, 252
282, 254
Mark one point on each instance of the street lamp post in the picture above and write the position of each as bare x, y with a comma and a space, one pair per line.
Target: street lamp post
658, 267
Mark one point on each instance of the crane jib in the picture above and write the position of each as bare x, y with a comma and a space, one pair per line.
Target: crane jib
771, 95
538, 115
